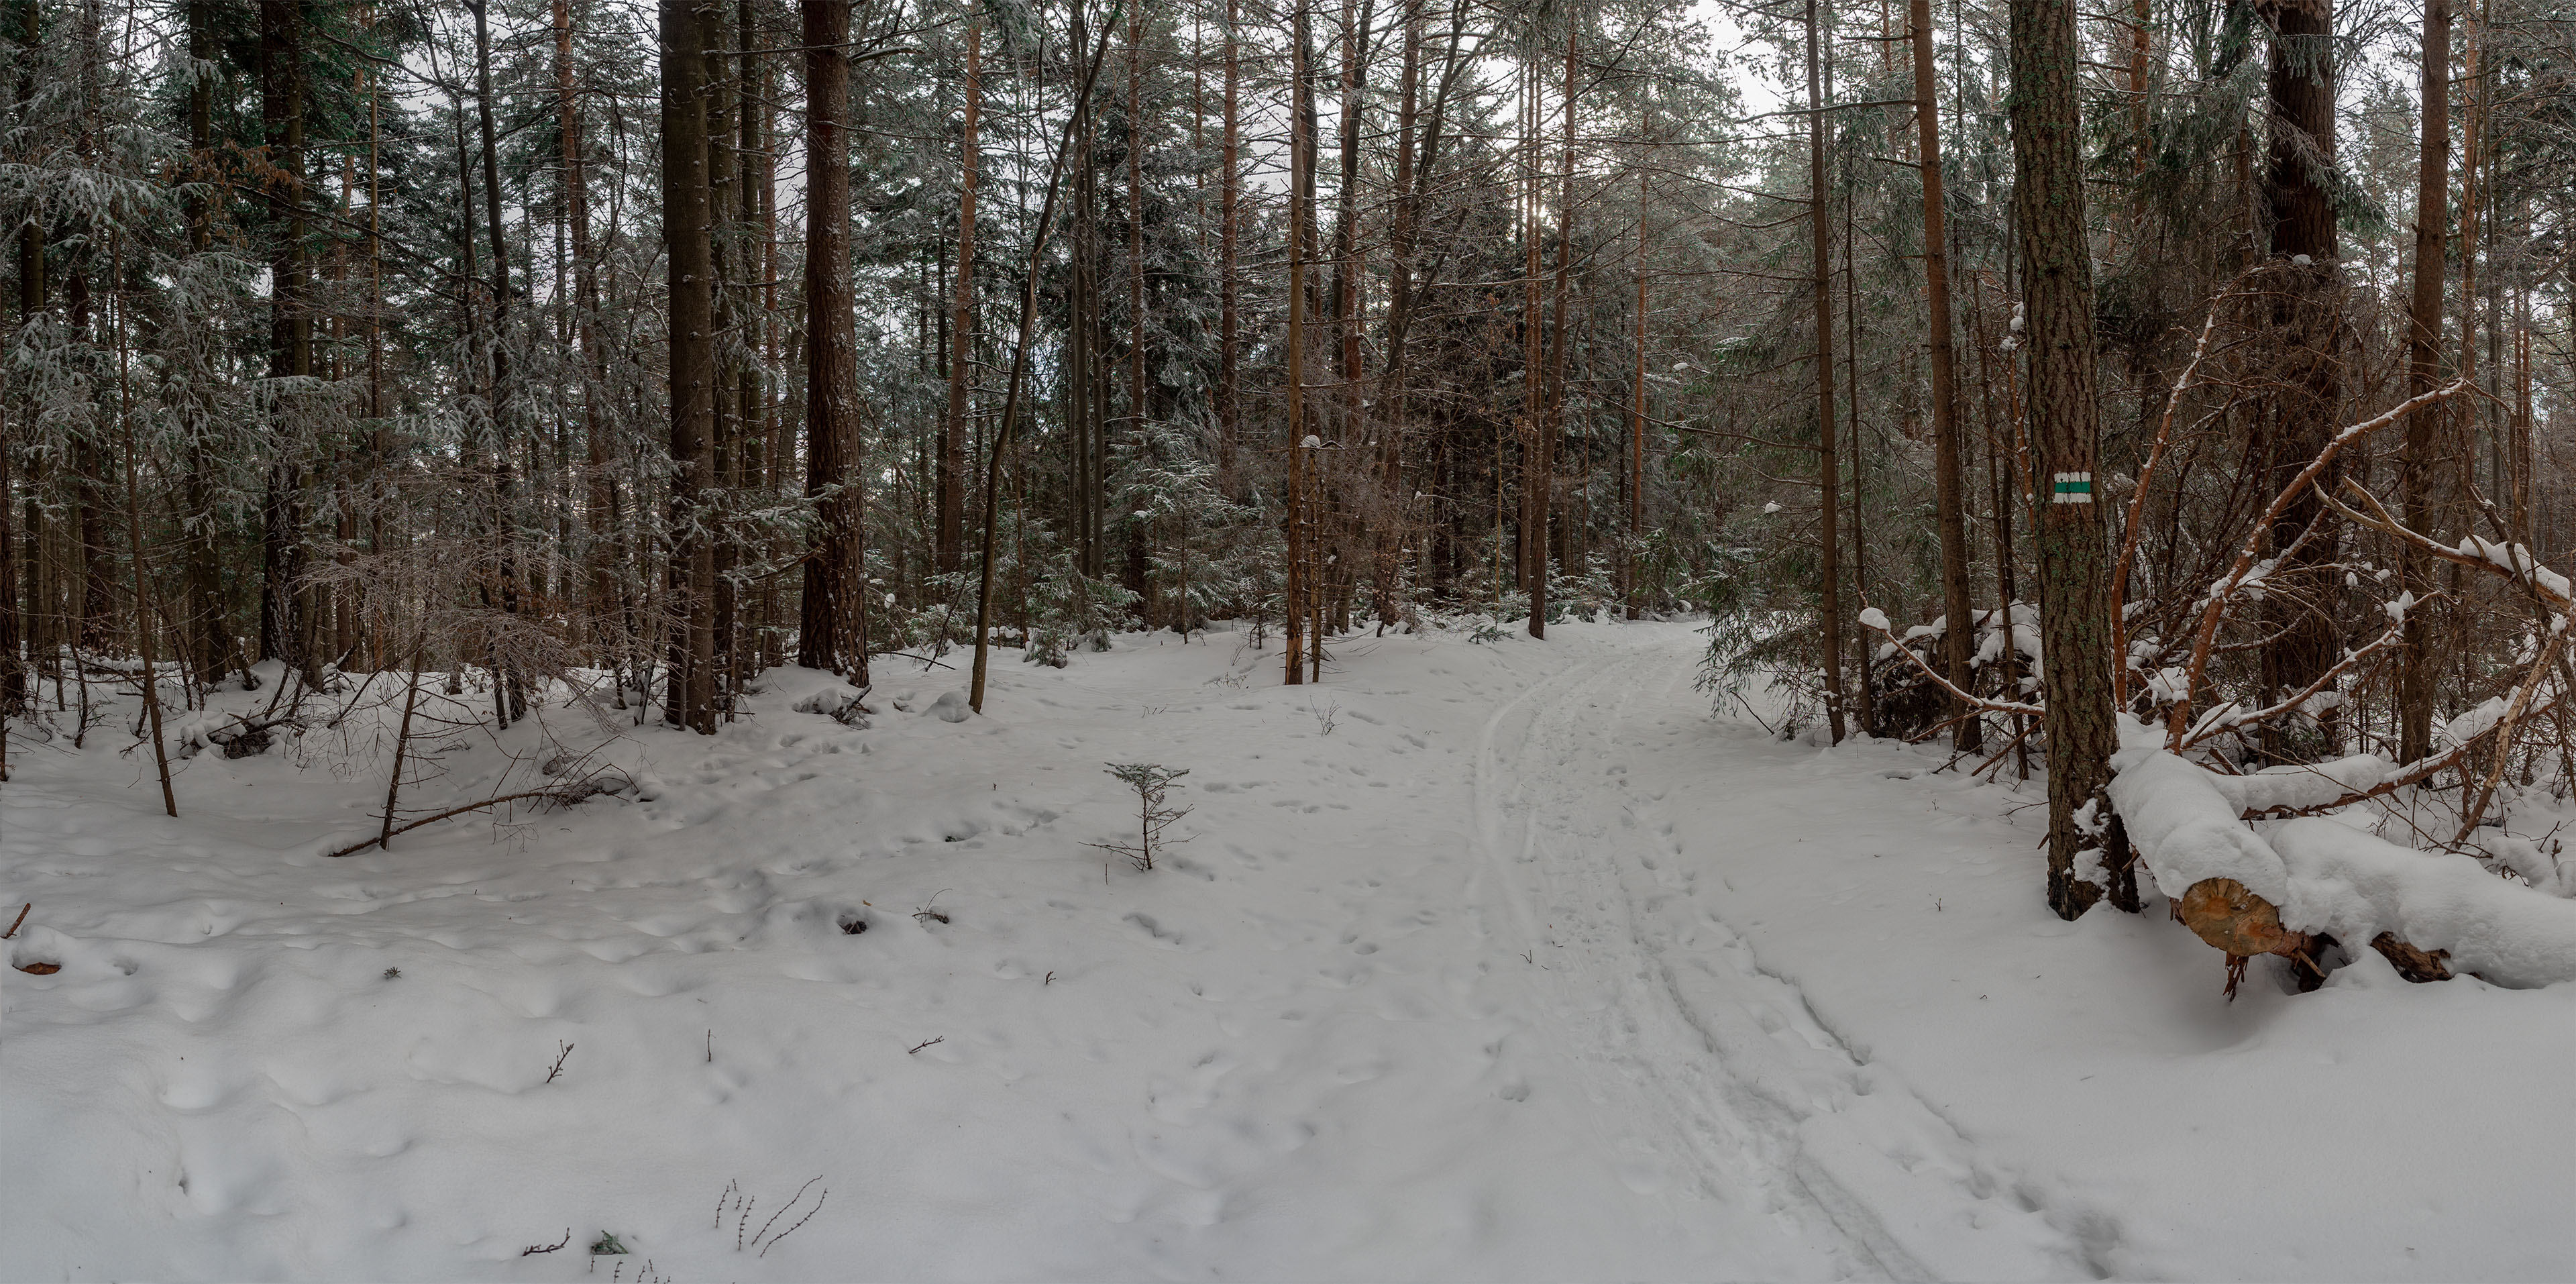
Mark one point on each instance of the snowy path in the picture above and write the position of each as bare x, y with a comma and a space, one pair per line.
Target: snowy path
1492, 962
1711, 1075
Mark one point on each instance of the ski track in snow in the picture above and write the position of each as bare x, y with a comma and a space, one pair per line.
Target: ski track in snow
1713, 1074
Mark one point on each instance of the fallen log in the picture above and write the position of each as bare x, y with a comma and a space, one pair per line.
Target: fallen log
2309, 882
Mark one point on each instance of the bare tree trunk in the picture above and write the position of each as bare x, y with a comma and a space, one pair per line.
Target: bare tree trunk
951, 466
2417, 467
18, 687
509, 693
1865, 697
1019, 367
1629, 563
1139, 399
1301, 125
402, 741
827, 638
686, 229
1394, 414
599, 555
1563, 337
2307, 323
1228, 201
1828, 467
151, 678
2074, 564
281, 54
1535, 482
1950, 489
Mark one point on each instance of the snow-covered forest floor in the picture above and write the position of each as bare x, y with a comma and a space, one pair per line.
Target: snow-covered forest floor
1500, 961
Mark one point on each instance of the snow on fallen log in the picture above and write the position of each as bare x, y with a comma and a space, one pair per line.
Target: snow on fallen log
2272, 893
2186, 829
2308, 785
2361, 887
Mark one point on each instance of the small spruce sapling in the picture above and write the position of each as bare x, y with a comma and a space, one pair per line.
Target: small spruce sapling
1152, 783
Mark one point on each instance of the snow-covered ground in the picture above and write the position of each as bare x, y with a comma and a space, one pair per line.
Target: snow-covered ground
1496, 961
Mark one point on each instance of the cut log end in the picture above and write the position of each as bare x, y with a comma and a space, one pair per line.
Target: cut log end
2234, 920
2240, 924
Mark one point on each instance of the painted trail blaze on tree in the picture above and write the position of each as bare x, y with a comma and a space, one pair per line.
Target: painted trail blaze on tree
2066, 429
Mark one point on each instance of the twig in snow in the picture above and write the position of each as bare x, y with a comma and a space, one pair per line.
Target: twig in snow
924, 914
559, 1063
566, 794
534, 1249
924, 1044
22, 917
809, 1216
787, 1210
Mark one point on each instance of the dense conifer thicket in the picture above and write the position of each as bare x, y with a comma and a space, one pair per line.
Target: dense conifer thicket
1983, 372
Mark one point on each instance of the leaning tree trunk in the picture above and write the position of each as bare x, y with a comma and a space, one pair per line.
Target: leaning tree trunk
2074, 564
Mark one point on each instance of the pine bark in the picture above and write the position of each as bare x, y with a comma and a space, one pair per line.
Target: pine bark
1829, 570
281, 107
1228, 202
2419, 465
2307, 325
951, 467
828, 636
692, 373
2074, 562
1949, 484
1301, 125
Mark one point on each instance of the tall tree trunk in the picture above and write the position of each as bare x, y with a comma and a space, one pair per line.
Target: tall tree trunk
204, 638
1950, 489
16, 687
724, 70
143, 614
2307, 325
1019, 367
755, 298
1139, 399
692, 377
2074, 564
1828, 467
951, 466
2418, 469
1228, 202
290, 343
1301, 126
1562, 338
1535, 482
828, 636
599, 555
1864, 696
509, 693
1394, 417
